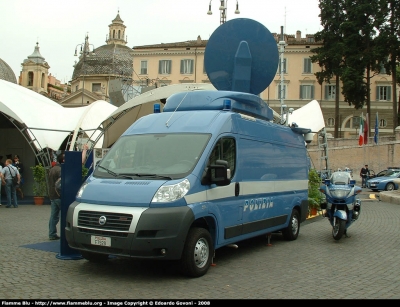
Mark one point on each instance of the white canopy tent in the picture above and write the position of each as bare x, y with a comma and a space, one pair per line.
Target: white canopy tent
46, 124
142, 105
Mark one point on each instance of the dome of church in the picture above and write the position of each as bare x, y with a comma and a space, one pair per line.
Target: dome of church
112, 59
6, 72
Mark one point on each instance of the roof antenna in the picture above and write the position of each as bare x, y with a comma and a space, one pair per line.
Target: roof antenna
284, 19
282, 92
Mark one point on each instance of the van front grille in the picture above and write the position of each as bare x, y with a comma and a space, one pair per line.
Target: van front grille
112, 221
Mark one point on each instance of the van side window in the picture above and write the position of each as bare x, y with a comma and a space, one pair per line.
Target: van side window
225, 149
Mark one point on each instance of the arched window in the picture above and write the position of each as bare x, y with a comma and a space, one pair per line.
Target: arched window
113, 36
119, 34
42, 81
30, 78
353, 122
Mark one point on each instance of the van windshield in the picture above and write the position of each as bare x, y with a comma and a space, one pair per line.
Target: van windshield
155, 156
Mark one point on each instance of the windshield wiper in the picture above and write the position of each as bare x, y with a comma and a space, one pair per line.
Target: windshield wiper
108, 171
151, 176
115, 174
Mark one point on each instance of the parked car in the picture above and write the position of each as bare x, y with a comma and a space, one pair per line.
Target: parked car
382, 173
385, 182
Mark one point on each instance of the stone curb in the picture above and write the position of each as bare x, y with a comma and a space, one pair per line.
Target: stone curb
392, 197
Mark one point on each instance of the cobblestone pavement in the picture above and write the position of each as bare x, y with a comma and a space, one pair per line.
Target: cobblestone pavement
315, 266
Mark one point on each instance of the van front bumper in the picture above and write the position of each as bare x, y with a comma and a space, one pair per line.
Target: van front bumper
160, 233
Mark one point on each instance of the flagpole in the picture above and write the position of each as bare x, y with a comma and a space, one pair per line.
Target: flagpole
365, 160
376, 139
379, 157
361, 136
366, 136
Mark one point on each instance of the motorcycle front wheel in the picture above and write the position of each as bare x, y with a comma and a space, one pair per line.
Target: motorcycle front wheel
339, 226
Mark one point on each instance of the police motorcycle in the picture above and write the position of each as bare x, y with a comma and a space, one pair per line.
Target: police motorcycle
343, 206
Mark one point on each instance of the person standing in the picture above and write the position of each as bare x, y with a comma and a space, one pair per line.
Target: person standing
1, 167
17, 163
7, 173
55, 200
85, 148
364, 174
1, 181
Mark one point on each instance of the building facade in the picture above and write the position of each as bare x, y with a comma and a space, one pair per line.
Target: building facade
183, 62
35, 76
97, 68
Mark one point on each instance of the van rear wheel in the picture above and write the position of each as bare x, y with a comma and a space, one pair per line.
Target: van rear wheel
291, 232
197, 252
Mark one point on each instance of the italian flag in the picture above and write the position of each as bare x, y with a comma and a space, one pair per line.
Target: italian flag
361, 131
366, 129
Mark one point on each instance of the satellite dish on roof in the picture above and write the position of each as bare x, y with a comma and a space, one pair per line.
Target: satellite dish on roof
241, 55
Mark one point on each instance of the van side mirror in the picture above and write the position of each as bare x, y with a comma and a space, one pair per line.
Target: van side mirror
218, 174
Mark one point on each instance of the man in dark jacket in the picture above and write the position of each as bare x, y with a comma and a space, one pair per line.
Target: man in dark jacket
55, 200
364, 174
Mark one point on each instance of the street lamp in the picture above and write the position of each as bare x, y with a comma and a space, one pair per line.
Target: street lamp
83, 53
222, 8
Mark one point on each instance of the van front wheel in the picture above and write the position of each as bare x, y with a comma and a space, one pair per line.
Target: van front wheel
197, 253
291, 232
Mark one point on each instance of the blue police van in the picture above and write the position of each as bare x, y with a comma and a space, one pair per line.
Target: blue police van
211, 169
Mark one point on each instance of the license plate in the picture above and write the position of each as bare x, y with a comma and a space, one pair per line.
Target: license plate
102, 241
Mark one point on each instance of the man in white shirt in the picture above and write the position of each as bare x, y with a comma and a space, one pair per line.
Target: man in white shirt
7, 173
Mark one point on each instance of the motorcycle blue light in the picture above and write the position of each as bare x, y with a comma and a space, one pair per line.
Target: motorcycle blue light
227, 104
156, 108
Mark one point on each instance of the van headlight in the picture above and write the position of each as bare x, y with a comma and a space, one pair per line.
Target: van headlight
168, 193
80, 192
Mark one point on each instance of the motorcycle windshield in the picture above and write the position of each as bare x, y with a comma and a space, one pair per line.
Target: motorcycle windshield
340, 178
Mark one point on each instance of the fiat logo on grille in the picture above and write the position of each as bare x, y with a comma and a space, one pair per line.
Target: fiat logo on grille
102, 220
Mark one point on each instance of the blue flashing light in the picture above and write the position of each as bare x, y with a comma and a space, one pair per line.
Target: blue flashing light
156, 108
227, 104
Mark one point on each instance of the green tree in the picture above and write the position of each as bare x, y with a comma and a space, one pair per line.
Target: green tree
39, 177
330, 55
352, 50
314, 195
363, 55
398, 75
389, 41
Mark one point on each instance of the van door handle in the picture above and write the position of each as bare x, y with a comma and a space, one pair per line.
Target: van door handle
237, 189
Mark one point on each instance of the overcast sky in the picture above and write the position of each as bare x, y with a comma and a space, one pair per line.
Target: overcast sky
59, 26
